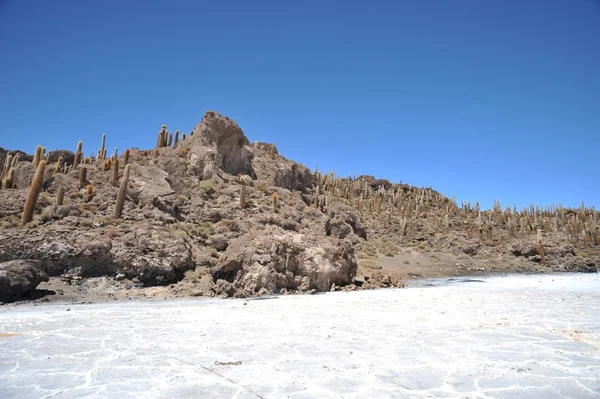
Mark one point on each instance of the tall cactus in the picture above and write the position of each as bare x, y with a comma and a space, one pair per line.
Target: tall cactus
126, 157
102, 152
37, 156
122, 193
82, 177
115, 172
60, 196
78, 154
34, 192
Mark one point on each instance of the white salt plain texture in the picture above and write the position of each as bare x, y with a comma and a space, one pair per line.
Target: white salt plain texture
507, 337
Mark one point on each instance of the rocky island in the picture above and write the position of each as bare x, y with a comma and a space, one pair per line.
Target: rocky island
211, 214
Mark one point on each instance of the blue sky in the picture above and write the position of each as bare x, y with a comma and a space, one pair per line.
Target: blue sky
478, 99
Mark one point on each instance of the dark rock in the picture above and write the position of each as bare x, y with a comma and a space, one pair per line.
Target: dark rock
19, 277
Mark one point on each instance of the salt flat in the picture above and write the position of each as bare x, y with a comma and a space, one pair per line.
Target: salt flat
501, 337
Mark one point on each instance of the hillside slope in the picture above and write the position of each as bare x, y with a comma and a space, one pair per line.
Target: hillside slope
211, 214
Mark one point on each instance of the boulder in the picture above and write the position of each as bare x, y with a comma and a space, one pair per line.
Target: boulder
19, 277
273, 259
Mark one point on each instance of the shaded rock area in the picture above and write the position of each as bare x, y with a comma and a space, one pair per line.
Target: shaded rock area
213, 215
19, 278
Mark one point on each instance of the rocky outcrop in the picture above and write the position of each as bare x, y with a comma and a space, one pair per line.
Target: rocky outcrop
216, 143
153, 256
274, 170
18, 278
271, 260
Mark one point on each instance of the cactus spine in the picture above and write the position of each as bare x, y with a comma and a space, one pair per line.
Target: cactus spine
121, 194
126, 157
34, 192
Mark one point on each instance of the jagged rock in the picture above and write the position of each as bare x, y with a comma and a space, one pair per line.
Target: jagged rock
19, 277
280, 172
218, 143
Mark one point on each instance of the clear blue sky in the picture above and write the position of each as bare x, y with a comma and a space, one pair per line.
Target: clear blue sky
478, 99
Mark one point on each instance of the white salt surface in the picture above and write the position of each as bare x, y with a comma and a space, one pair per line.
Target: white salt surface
509, 337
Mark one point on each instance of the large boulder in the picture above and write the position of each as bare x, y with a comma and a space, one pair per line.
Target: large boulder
146, 184
273, 259
19, 277
216, 143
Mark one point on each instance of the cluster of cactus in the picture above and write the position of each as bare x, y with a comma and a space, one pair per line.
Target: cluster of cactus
80, 164
166, 139
393, 208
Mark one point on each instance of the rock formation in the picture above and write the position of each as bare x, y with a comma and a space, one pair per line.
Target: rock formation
182, 224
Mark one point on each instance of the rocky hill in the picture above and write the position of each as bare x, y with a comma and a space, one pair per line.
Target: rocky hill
212, 214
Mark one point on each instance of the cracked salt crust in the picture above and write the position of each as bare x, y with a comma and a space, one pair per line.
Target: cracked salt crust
508, 337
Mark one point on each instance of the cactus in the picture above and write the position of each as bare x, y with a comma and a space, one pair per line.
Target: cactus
82, 177
59, 164
403, 225
89, 193
243, 194
107, 164
78, 154
273, 151
7, 164
38, 155
275, 202
176, 138
170, 140
126, 157
116, 153
541, 247
9, 181
34, 192
121, 194
14, 161
60, 196
115, 173
102, 151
